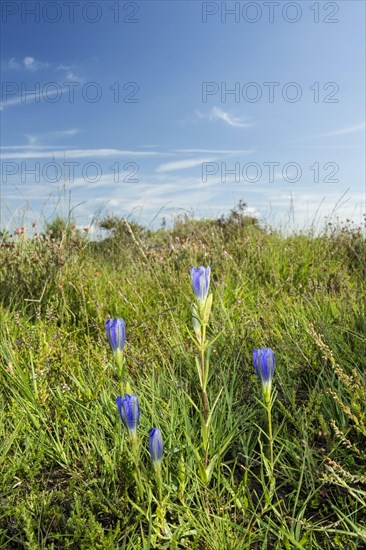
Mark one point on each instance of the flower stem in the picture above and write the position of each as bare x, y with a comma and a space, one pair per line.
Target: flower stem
120, 363
136, 460
204, 394
268, 406
203, 371
159, 482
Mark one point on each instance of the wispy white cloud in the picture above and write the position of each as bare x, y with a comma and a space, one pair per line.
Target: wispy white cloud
156, 199
61, 133
331, 147
229, 119
70, 74
32, 65
32, 140
167, 194
147, 187
31, 97
13, 64
182, 164
219, 114
30, 146
79, 153
217, 151
345, 130
36, 139
333, 133
192, 162
62, 67
72, 77
29, 63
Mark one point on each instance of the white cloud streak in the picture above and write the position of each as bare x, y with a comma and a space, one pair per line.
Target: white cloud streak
29, 63
182, 164
217, 151
218, 114
30, 96
79, 153
343, 131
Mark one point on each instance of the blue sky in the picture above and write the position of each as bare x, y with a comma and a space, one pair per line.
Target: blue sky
125, 108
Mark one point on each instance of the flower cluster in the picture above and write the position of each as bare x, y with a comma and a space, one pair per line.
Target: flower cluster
128, 404
129, 411
263, 358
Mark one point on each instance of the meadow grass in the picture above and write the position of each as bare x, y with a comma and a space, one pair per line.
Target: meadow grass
67, 472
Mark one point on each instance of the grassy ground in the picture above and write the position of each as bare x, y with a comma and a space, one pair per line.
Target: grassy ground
67, 475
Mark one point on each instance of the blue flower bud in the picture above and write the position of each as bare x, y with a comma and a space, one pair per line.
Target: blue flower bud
116, 334
156, 445
264, 364
200, 277
129, 411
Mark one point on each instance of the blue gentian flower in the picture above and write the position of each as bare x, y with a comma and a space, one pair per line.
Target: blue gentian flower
116, 334
156, 445
200, 277
264, 364
129, 411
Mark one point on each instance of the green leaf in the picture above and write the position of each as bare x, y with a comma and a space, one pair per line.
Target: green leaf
206, 310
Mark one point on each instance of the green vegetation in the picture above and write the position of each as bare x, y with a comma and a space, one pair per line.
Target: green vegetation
67, 475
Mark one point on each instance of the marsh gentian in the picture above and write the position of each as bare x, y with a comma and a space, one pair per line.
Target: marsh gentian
156, 445
264, 364
129, 411
116, 334
200, 278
